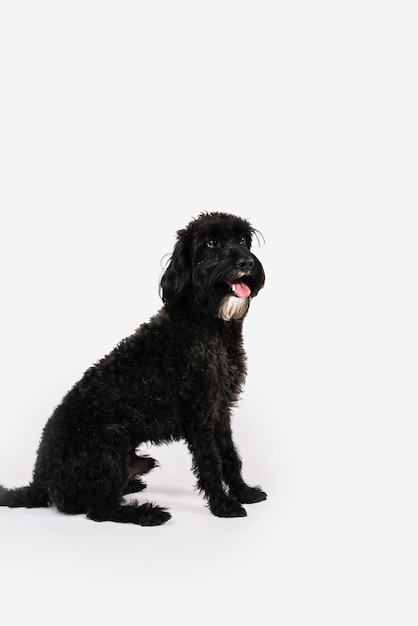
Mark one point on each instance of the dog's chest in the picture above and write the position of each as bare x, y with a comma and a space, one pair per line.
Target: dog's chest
223, 365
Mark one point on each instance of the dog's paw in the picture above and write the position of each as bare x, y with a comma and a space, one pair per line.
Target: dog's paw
227, 508
156, 515
146, 514
249, 495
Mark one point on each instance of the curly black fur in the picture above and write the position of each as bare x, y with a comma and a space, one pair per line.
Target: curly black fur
177, 377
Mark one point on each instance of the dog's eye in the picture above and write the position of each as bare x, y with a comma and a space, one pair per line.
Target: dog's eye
212, 243
243, 241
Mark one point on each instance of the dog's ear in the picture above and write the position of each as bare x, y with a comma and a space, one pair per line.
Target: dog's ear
178, 273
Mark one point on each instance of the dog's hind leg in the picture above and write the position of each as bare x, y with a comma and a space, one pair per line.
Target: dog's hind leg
94, 478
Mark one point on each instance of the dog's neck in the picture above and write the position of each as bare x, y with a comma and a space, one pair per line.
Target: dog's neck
192, 318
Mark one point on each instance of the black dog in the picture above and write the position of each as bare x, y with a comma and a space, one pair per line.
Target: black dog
177, 377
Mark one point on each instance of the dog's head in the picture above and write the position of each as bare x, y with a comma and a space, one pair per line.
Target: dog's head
212, 267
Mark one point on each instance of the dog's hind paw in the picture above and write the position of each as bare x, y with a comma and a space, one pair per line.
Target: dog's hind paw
227, 508
248, 495
144, 515
156, 515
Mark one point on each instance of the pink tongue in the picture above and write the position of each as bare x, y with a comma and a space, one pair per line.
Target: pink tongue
242, 290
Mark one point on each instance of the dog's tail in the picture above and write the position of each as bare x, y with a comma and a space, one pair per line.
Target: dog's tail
30, 497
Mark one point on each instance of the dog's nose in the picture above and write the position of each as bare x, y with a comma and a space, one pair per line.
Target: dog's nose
245, 265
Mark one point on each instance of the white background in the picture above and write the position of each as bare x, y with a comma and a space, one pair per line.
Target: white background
119, 122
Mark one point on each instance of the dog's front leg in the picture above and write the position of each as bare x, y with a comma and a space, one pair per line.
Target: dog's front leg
207, 467
232, 465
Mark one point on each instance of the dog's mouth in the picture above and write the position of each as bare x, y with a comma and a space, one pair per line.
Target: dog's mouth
240, 289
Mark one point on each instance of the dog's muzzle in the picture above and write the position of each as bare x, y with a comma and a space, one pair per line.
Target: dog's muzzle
239, 287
